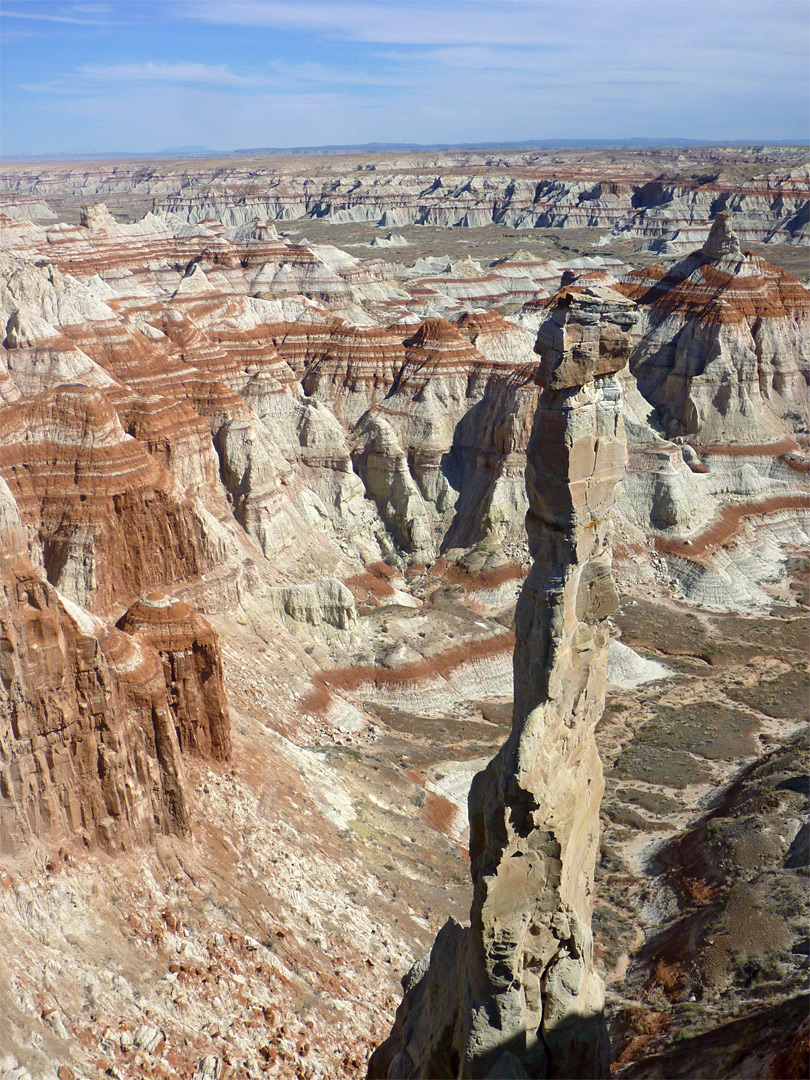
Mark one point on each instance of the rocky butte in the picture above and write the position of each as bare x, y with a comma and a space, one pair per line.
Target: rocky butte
514, 994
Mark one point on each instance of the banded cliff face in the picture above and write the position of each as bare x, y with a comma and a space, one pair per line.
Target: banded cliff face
663, 195
515, 993
95, 501
772, 207
189, 648
209, 345
152, 417
442, 454
724, 344
108, 488
93, 720
87, 745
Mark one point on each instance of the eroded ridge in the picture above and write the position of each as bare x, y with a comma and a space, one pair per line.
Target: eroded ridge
515, 993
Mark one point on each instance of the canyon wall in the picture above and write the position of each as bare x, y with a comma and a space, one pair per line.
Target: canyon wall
668, 211
93, 720
177, 400
666, 199
88, 748
325, 456
515, 993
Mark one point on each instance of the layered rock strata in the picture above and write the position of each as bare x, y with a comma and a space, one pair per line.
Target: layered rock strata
88, 749
515, 993
192, 664
724, 345
95, 501
662, 196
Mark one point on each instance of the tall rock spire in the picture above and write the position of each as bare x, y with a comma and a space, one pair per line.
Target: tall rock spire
722, 241
514, 994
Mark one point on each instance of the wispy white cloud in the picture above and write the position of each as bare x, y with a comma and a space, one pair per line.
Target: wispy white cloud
283, 73
97, 9
543, 23
76, 14
284, 76
377, 21
313, 72
10, 35
179, 72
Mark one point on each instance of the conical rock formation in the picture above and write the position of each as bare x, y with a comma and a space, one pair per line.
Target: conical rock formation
514, 994
723, 344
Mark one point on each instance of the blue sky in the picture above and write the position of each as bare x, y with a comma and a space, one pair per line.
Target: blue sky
141, 75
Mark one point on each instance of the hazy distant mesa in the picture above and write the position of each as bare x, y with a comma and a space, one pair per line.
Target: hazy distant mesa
663, 199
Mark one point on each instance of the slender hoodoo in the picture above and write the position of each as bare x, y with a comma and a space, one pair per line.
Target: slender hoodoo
514, 994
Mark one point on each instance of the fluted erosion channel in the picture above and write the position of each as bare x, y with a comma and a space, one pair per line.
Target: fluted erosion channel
514, 994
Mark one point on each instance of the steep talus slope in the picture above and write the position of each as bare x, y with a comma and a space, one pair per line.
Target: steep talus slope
515, 993
769, 1042
747, 851
721, 978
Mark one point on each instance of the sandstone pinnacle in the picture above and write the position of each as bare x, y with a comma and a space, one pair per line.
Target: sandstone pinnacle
722, 240
574, 350
514, 993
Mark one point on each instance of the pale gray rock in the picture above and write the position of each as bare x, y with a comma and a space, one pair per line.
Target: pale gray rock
326, 601
209, 1068
148, 1038
515, 994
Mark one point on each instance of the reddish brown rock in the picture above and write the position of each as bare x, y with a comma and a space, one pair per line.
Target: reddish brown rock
356, 368
105, 518
87, 745
437, 347
189, 648
178, 438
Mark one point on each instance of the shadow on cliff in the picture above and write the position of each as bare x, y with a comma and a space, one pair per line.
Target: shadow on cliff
573, 1041
461, 469
576, 1049
770, 1044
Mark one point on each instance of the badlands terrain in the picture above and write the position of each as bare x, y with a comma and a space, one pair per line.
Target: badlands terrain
264, 432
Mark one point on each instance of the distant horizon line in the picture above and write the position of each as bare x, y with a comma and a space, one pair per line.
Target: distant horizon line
325, 150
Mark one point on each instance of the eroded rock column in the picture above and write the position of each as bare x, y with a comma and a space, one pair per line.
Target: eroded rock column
192, 663
514, 994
